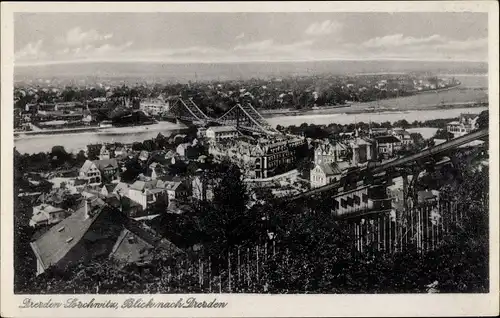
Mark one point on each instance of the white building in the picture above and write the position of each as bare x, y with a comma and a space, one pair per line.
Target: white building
182, 148
90, 173
146, 192
465, 125
154, 107
328, 153
403, 135
45, 214
325, 173
104, 153
221, 132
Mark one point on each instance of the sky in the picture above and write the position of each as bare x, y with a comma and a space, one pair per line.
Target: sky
52, 38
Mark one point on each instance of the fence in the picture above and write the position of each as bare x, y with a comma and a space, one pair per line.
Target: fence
244, 269
248, 269
422, 227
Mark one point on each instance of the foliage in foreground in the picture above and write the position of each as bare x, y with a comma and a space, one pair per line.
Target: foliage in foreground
314, 254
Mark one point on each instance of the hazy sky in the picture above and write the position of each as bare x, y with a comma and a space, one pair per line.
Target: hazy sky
224, 37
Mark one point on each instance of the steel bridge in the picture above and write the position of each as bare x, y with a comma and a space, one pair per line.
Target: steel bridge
187, 111
244, 117
247, 118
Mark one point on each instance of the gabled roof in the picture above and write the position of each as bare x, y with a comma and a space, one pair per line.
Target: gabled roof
469, 116
400, 131
184, 145
329, 147
86, 165
387, 140
47, 208
102, 164
54, 244
122, 202
172, 185
151, 184
121, 187
57, 242
110, 187
330, 169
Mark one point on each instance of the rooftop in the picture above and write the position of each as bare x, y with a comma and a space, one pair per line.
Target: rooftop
54, 244
330, 169
387, 139
223, 128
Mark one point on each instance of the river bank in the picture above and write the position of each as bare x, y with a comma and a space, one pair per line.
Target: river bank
78, 141
391, 116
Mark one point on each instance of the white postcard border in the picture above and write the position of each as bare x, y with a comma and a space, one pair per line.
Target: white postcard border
253, 305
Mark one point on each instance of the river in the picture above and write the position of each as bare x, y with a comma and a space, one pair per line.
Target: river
410, 109
74, 142
77, 141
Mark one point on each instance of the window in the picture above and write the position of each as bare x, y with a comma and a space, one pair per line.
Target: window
365, 197
350, 201
357, 199
60, 229
335, 204
69, 239
343, 203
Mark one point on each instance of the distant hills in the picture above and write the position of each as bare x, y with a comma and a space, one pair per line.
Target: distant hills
160, 72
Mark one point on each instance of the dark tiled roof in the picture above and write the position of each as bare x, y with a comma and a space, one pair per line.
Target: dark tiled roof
54, 244
330, 168
110, 187
101, 164
387, 140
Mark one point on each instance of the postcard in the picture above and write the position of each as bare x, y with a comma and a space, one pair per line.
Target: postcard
228, 159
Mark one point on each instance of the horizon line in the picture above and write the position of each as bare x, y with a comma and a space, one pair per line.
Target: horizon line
49, 63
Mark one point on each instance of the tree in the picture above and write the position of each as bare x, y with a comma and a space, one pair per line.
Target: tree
137, 146
133, 169
227, 222
483, 120
443, 134
402, 123
80, 157
59, 156
93, 151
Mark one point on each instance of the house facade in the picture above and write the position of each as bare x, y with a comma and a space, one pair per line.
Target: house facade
330, 152
90, 173
98, 171
221, 132
147, 193
46, 214
388, 145
324, 173
465, 125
